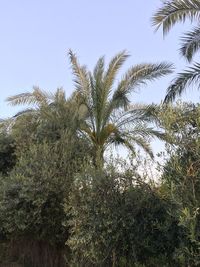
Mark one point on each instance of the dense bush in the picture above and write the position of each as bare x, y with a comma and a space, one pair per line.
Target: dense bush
7, 153
181, 174
118, 223
31, 202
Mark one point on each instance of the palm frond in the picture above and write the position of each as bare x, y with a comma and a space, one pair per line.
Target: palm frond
137, 76
190, 43
103, 85
113, 68
119, 139
133, 79
99, 69
176, 11
37, 97
24, 112
144, 131
144, 144
99, 94
21, 99
80, 73
129, 141
189, 77
135, 115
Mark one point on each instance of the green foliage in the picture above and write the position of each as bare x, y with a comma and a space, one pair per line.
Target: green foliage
108, 117
32, 197
181, 173
117, 220
167, 16
7, 153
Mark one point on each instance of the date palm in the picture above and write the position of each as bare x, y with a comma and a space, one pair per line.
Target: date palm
167, 16
101, 105
52, 113
107, 117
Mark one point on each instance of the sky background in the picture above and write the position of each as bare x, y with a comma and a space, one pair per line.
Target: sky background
37, 34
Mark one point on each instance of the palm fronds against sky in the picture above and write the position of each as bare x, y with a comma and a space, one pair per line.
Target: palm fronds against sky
109, 117
170, 13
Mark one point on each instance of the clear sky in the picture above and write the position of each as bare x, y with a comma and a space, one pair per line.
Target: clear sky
36, 36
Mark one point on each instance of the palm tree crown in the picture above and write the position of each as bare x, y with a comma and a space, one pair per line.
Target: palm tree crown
108, 117
101, 105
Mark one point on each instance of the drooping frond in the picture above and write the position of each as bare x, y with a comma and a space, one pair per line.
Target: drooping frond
183, 81
37, 97
190, 43
137, 76
21, 99
144, 144
119, 140
23, 112
129, 141
145, 131
135, 115
176, 11
80, 73
133, 79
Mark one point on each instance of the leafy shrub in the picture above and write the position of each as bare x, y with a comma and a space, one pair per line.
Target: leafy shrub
118, 223
31, 202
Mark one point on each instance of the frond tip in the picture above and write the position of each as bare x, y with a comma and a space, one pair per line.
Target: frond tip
184, 80
175, 11
37, 97
190, 43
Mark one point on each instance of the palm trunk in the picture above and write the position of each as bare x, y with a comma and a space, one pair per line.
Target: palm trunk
98, 157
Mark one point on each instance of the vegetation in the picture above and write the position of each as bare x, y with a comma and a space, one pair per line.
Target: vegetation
167, 16
66, 200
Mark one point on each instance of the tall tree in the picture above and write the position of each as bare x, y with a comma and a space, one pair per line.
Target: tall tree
106, 115
167, 16
101, 106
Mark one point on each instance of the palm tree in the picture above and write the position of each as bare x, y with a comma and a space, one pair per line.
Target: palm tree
101, 105
106, 116
51, 113
167, 16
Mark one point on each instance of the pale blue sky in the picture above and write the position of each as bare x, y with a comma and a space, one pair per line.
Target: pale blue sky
36, 35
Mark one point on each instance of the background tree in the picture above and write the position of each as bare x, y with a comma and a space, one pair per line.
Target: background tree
180, 178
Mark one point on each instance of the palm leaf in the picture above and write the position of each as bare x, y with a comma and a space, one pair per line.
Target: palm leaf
80, 73
24, 112
184, 80
190, 43
113, 68
144, 144
137, 76
176, 11
143, 114
132, 80
129, 141
37, 97
145, 131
